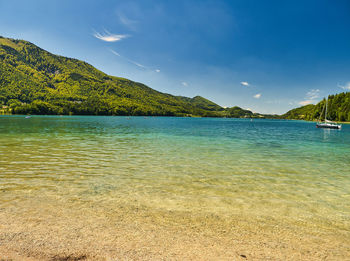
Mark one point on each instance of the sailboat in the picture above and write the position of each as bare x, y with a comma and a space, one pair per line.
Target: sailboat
327, 124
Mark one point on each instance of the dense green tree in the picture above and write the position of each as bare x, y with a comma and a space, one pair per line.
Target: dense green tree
338, 109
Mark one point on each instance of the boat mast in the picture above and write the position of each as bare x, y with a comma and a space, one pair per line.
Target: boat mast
320, 118
325, 116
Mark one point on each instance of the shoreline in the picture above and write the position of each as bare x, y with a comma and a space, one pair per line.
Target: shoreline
137, 232
147, 116
171, 116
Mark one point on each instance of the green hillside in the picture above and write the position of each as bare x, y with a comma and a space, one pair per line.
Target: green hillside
338, 109
202, 103
35, 81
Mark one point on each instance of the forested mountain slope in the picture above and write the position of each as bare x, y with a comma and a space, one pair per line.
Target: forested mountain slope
35, 81
338, 109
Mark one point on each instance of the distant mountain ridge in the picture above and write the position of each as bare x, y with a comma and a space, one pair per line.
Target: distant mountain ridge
35, 81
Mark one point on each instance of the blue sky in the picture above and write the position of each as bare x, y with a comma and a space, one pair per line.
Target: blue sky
268, 56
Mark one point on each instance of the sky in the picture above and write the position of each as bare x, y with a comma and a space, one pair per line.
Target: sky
267, 56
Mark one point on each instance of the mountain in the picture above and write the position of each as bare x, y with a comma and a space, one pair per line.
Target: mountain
202, 103
338, 109
35, 81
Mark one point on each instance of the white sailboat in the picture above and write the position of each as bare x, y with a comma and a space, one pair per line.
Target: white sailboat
327, 124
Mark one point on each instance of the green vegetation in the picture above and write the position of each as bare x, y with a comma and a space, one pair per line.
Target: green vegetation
34, 81
338, 109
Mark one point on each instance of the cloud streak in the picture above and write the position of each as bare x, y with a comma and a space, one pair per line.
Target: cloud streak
310, 97
129, 23
109, 37
115, 53
184, 84
130, 61
306, 102
257, 96
245, 84
313, 94
133, 62
345, 87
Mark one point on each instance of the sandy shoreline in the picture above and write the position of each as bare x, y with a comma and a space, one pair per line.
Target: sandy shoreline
128, 232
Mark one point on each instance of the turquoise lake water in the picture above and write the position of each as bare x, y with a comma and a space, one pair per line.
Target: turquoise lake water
289, 171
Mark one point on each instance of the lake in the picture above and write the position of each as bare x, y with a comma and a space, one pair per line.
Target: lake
173, 188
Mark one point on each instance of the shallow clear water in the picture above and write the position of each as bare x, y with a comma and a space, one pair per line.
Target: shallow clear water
288, 171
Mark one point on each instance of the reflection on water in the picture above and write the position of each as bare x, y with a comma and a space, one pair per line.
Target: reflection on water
288, 171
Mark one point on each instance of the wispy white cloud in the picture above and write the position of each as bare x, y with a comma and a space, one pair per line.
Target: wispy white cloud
109, 37
306, 102
257, 96
345, 87
313, 94
245, 83
184, 84
114, 52
130, 23
138, 64
310, 97
133, 62
130, 61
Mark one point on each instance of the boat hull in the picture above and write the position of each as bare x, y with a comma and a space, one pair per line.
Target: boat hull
328, 126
